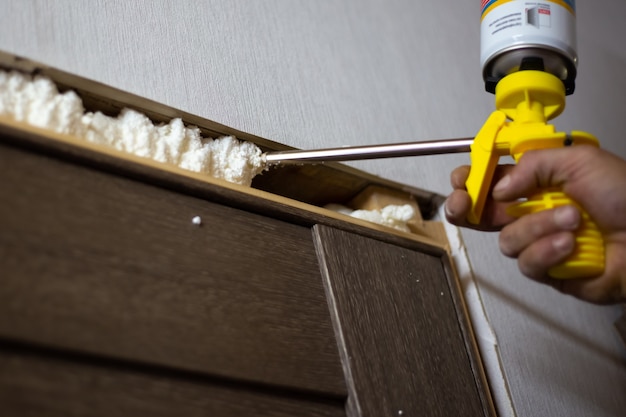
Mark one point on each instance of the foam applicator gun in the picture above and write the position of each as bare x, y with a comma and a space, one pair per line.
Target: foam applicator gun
525, 101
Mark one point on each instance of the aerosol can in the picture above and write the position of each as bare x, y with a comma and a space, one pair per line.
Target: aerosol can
528, 56
517, 34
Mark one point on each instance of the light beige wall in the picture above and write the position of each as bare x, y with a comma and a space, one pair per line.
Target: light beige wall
328, 73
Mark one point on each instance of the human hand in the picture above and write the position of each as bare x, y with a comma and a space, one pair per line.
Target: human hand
594, 178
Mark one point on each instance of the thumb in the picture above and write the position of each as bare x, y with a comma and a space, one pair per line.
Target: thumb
538, 170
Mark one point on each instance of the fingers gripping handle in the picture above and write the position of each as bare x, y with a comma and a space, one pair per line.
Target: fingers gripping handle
587, 259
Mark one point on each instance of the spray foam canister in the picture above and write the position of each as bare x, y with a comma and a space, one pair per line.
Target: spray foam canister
519, 34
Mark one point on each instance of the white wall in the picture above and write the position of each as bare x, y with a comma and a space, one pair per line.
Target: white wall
326, 73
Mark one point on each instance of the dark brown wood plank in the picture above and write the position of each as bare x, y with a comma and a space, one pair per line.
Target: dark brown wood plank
103, 264
56, 386
402, 348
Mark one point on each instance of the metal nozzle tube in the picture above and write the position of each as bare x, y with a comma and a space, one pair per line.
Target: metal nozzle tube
354, 153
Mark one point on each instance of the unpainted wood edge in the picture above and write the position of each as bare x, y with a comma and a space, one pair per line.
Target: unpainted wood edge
30, 134
353, 407
469, 335
377, 197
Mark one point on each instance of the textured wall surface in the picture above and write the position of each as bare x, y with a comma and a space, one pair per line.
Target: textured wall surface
328, 73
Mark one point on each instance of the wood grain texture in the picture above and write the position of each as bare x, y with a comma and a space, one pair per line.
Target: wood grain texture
33, 385
103, 264
402, 347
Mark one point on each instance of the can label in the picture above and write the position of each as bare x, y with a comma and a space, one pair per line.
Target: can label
510, 24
